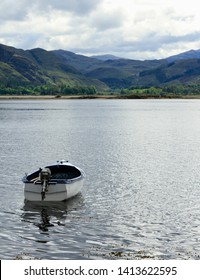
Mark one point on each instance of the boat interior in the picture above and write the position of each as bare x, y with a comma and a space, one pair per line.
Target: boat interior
58, 172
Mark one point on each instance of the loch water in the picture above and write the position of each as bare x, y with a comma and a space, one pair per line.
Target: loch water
141, 195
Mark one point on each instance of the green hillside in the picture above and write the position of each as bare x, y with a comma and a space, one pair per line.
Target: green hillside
60, 71
39, 67
186, 71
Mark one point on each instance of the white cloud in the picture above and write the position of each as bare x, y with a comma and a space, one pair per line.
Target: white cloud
138, 29
13, 10
106, 20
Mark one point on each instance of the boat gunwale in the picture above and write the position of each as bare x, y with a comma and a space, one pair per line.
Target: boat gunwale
62, 163
54, 181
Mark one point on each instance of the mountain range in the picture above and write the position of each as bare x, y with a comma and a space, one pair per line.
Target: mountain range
35, 67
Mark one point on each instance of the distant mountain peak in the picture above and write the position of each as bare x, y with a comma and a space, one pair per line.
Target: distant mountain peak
185, 55
105, 57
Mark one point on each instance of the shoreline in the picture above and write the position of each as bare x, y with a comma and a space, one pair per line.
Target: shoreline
54, 97
78, 97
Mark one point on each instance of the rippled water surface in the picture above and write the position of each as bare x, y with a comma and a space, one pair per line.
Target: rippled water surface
141, 197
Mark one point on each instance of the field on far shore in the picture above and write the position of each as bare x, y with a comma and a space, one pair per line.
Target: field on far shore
14, 97
58, 97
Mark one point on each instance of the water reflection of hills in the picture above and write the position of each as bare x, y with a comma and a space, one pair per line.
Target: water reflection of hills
48, 214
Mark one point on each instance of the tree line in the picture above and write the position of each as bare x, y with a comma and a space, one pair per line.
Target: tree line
177, 90
162, 91
47, 90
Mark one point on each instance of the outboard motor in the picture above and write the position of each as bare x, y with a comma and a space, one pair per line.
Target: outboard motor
45, 175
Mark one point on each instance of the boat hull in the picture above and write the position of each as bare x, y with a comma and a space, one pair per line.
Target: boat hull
55, 182
56, 191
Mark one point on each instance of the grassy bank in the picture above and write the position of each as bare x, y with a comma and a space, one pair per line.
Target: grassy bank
57, 97
131, 96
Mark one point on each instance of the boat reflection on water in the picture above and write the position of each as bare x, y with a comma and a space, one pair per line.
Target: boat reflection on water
48, 214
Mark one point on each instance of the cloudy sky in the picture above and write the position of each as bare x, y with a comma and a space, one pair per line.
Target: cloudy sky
137, 29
